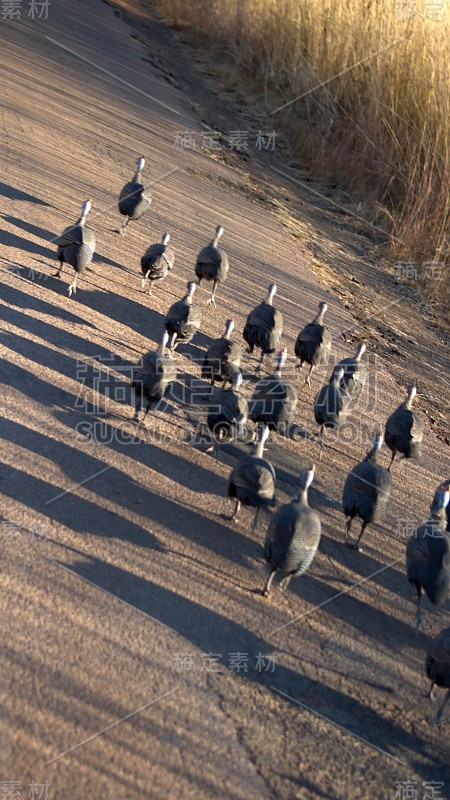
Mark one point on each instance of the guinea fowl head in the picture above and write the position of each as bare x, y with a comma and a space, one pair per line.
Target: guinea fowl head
360, 350
271, 292
219, 233
229, 328
166, 238
140, 163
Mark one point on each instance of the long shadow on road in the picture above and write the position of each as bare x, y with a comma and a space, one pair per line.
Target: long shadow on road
214, 633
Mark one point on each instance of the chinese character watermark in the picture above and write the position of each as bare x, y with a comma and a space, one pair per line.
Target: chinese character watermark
12, 9
237, 662
237, 140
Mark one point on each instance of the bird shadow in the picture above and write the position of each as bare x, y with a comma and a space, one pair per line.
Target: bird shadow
12, 240
12, 193
23, 300
29, 227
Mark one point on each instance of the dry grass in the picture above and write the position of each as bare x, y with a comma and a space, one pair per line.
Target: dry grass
378, 119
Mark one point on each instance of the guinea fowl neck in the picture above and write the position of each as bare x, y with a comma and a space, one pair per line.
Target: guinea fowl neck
410, 397
372, 455
318, 319
229, 327
137, 177
215, 241
259, 449
438, 508
302, 497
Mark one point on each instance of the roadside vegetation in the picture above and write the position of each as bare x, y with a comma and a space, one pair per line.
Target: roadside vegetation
375, 115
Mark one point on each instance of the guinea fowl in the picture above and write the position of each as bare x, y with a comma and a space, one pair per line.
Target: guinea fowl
274, 400
445, 487
293, 536
150, 381
134, 199
223, 358
183, 318
264, 327
428, 555
331, 405
76, 246
355, 374
367, 491
313, 344
228, 417
157, 262
437, 666
212, 265
252, 481
404, 430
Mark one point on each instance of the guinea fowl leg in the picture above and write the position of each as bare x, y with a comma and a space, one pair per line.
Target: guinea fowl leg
419, 620
356, 544
212, 299
438, 716
73, 286
259, 367
255, 520
392, 459
236, 511
266, 590
308, 377
145, 279
138, 404
321, 442
173, 341
348, 525
285, 582
429, 695
123, 227
57, 274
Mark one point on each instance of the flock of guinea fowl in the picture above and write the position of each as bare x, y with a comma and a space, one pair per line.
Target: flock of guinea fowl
294, 529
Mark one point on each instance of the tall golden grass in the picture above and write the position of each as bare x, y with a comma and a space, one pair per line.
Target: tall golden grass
378, 119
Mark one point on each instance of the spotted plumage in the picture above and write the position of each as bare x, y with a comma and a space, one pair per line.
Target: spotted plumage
404, 430
134, 198
428, 555
223, 358
157, 262
228, 416
183, 319
264, 327
293, 536
437, 667
355, 374
252, 481
274, 400
212, 264
152, 377
367, 491
76, 246
313, 343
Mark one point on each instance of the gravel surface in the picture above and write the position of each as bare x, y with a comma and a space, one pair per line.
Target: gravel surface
140, 659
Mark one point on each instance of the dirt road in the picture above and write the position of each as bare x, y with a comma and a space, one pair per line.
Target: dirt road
139, 659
